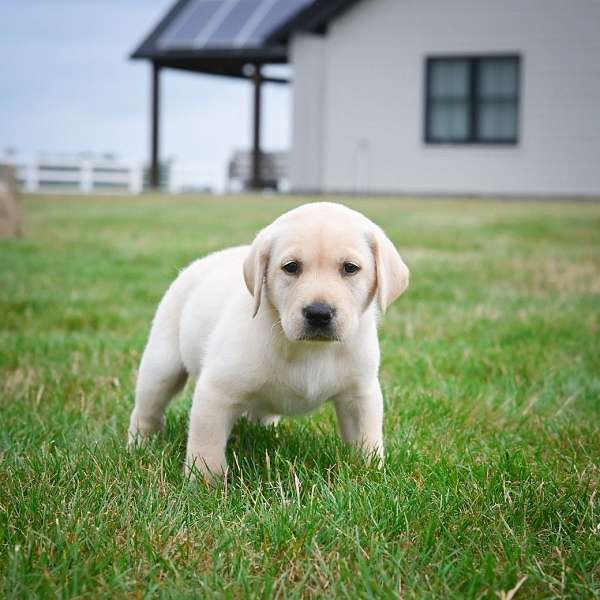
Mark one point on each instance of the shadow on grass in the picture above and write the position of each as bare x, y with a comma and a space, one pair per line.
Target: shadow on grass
295, 447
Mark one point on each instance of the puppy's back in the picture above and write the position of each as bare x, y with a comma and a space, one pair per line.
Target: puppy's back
197, 298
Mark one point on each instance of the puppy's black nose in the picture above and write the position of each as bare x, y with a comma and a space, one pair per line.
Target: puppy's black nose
318, 314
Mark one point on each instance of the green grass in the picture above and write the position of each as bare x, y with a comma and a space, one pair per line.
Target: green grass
491, 372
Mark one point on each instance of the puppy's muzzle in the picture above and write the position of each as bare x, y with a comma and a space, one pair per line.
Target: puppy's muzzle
319, 319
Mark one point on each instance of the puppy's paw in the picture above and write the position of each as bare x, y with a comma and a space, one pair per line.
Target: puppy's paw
374, 456
141, 429
198, 468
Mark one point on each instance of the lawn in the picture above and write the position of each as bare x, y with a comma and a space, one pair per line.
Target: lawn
490, 370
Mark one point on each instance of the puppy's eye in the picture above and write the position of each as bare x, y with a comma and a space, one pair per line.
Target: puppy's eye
351, 268
291, 268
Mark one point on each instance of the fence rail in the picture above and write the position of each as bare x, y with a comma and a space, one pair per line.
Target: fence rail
86, 176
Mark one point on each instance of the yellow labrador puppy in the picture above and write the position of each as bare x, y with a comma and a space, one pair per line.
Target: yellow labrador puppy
275, 328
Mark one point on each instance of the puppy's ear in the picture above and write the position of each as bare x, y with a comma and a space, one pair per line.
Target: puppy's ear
390, 271
255, 266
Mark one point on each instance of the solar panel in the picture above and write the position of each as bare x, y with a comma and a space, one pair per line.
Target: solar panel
231, 26
280, 12
204, 24
182, 32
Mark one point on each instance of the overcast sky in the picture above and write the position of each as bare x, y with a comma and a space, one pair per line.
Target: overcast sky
68, 86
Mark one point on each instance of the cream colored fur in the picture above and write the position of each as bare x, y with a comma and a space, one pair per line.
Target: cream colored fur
233, 320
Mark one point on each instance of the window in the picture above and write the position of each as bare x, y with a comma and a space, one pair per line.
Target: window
472, 100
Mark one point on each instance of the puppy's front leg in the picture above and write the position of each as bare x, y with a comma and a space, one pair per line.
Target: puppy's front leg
360, 417
212, 417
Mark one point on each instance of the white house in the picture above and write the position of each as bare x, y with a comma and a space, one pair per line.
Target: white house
477, 97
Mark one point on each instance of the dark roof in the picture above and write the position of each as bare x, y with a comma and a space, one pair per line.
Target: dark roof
220, 36
314, 18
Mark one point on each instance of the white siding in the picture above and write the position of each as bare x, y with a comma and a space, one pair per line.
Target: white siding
307, 52
373, 57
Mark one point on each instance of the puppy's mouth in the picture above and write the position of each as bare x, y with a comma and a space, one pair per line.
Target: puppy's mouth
319, 335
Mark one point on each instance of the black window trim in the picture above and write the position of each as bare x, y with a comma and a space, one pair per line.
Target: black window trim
472, 140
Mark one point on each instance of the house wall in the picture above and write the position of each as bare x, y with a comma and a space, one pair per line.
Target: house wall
366, 85
307, 56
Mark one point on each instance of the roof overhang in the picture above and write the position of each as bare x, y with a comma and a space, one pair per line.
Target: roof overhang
216, 62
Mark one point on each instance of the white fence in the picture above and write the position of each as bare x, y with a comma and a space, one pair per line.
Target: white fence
79, 175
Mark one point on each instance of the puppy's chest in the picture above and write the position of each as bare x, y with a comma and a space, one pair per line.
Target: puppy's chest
298, 388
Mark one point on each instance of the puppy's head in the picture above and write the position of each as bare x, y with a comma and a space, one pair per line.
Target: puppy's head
320, 266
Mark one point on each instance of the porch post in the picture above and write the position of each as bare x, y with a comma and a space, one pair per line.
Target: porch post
256, 183
155, 139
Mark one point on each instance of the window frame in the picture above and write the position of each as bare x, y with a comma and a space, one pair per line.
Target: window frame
473, 62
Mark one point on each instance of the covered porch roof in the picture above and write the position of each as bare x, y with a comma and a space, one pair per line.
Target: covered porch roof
230, 38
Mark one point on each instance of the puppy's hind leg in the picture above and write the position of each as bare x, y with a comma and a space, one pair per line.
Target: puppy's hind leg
160, 377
